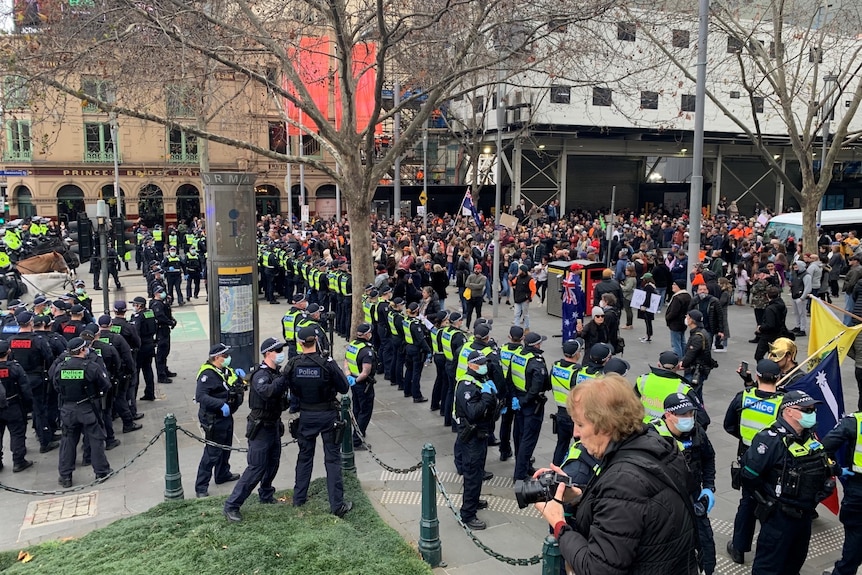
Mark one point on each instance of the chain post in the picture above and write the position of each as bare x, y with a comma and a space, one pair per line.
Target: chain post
429, 526
347, 459
173, 476
551, 557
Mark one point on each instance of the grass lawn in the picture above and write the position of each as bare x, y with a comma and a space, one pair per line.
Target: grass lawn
192, 537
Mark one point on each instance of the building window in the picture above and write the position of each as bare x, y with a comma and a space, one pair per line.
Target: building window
278, 137
183, 147
601, 96
680, 38
98, 144
15, 92
478, 104
815, 55
310, 145
758, 104
734, 45
649, 100
626, 31
688, 103
103, 90
18, 141
561, 94
180, 101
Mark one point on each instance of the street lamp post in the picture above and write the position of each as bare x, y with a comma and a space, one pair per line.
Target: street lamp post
830, 83
115, 129
102, 219
696, 199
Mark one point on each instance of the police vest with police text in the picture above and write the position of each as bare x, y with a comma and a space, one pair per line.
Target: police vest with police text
520, 359
351, 354
562, 379
654, 389
756, 414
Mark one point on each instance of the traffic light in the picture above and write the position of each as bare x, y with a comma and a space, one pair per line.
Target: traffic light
120, 234
81, 232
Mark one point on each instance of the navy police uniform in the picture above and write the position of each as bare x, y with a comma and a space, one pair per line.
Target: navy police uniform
847, 436
14, 397
358, 354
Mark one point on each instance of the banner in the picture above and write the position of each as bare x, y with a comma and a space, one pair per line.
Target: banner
825, 325
469, 209
823, 383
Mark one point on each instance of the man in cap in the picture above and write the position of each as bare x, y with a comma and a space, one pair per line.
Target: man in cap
193, 264
381, 324
40, 305
439, 322
316, 383
268, 268
679, 424
675, 314
108, 358
563, 374
14, 396
80, 383
264, 430
145, 323
165, 322
34, 355
528, 376
800, 288
76, 323
218, 394
711, 314
359, 362
290, 321
697, 360
416, 350
157, 280
453, 340
475, 402
662, 380
789, 472
311, 318
395, 322
123, 377
504, 393
750, 411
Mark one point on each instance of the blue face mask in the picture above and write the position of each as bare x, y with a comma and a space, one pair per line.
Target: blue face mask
279, 357
808, 420
226, 362
685, 424
482, 369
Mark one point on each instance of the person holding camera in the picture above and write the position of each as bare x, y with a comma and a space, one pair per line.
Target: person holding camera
751, 410
789, 472
475, 403
264, 430
218, 393
315, 383
635, 517
679, 424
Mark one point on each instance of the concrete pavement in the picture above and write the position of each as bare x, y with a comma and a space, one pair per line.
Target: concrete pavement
397, 433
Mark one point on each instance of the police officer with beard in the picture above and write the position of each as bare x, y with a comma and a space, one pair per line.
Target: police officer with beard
219, 396
80, 383
315, 382
474, 410
359, 361
263, 430
14, 396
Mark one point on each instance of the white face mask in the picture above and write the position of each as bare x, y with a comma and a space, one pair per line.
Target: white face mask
279, 357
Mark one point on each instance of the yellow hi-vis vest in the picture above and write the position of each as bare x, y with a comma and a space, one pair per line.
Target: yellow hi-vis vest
562, 379
757, 414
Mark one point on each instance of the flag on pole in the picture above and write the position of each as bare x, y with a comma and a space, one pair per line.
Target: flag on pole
823, 383
469, 209
825, 325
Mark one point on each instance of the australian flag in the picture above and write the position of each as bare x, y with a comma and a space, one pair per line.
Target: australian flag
469, 209
823, 383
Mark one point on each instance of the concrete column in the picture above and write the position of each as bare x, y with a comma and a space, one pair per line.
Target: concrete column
562, 168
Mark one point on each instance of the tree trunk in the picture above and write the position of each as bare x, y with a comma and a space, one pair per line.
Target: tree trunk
810, 201
361, 265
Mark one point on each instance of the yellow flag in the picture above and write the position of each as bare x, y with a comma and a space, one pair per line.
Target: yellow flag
825, 325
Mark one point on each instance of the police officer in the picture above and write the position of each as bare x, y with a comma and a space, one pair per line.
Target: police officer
416, 350
563, 374
507, 417
269, 267
345, 288
80, 383
311, 318
679, 423
439, 320
165, 322
750, 411
475, 402
846, 437
114, 266
529, 378
316, 382
76, 324
129, 332
359, 361
453, 340
381, 318
156, 280
264, 430
218, 394
109, 359
662, 380
123, 376
15, 395
34, 355
697, 361
290, 321
174, 271
145, 321
193, 266
790, 473
395, 321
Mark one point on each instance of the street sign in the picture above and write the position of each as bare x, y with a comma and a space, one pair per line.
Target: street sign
304, 213
13, 172
423, 198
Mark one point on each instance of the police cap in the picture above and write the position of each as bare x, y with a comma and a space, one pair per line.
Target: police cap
4, 347
477, 358
75, 345
668, 359
481, 330
533, 338
104, 320
120, 305
678, 403
219, 349
617, 365
363, 328
24, 318
312, 309
306, 333
76, 309
271, 344
600, 352
140, 301
573, 346
768, 370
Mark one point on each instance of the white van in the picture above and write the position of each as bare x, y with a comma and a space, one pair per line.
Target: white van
831, 221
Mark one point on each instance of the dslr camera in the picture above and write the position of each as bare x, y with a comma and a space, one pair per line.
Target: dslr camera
542, 488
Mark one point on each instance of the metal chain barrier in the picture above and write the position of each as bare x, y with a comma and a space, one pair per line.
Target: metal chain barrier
398, 470
206, 441
92, 483
534, 560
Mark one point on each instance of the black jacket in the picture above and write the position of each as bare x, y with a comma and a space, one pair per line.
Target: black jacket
774, 314
676, 311
713, 320
635, 517
608, 286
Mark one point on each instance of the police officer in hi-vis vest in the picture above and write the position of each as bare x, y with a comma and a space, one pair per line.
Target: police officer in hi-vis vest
846, 437
359, 362
661, 381
563, 374
507, 415
529, 378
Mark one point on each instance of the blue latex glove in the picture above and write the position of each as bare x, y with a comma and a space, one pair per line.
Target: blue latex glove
516, 404
504, 410
225, 410
351, 380
240, 372
710, 498
428, 359
847, 472
488, 387
186, 277
171, 269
